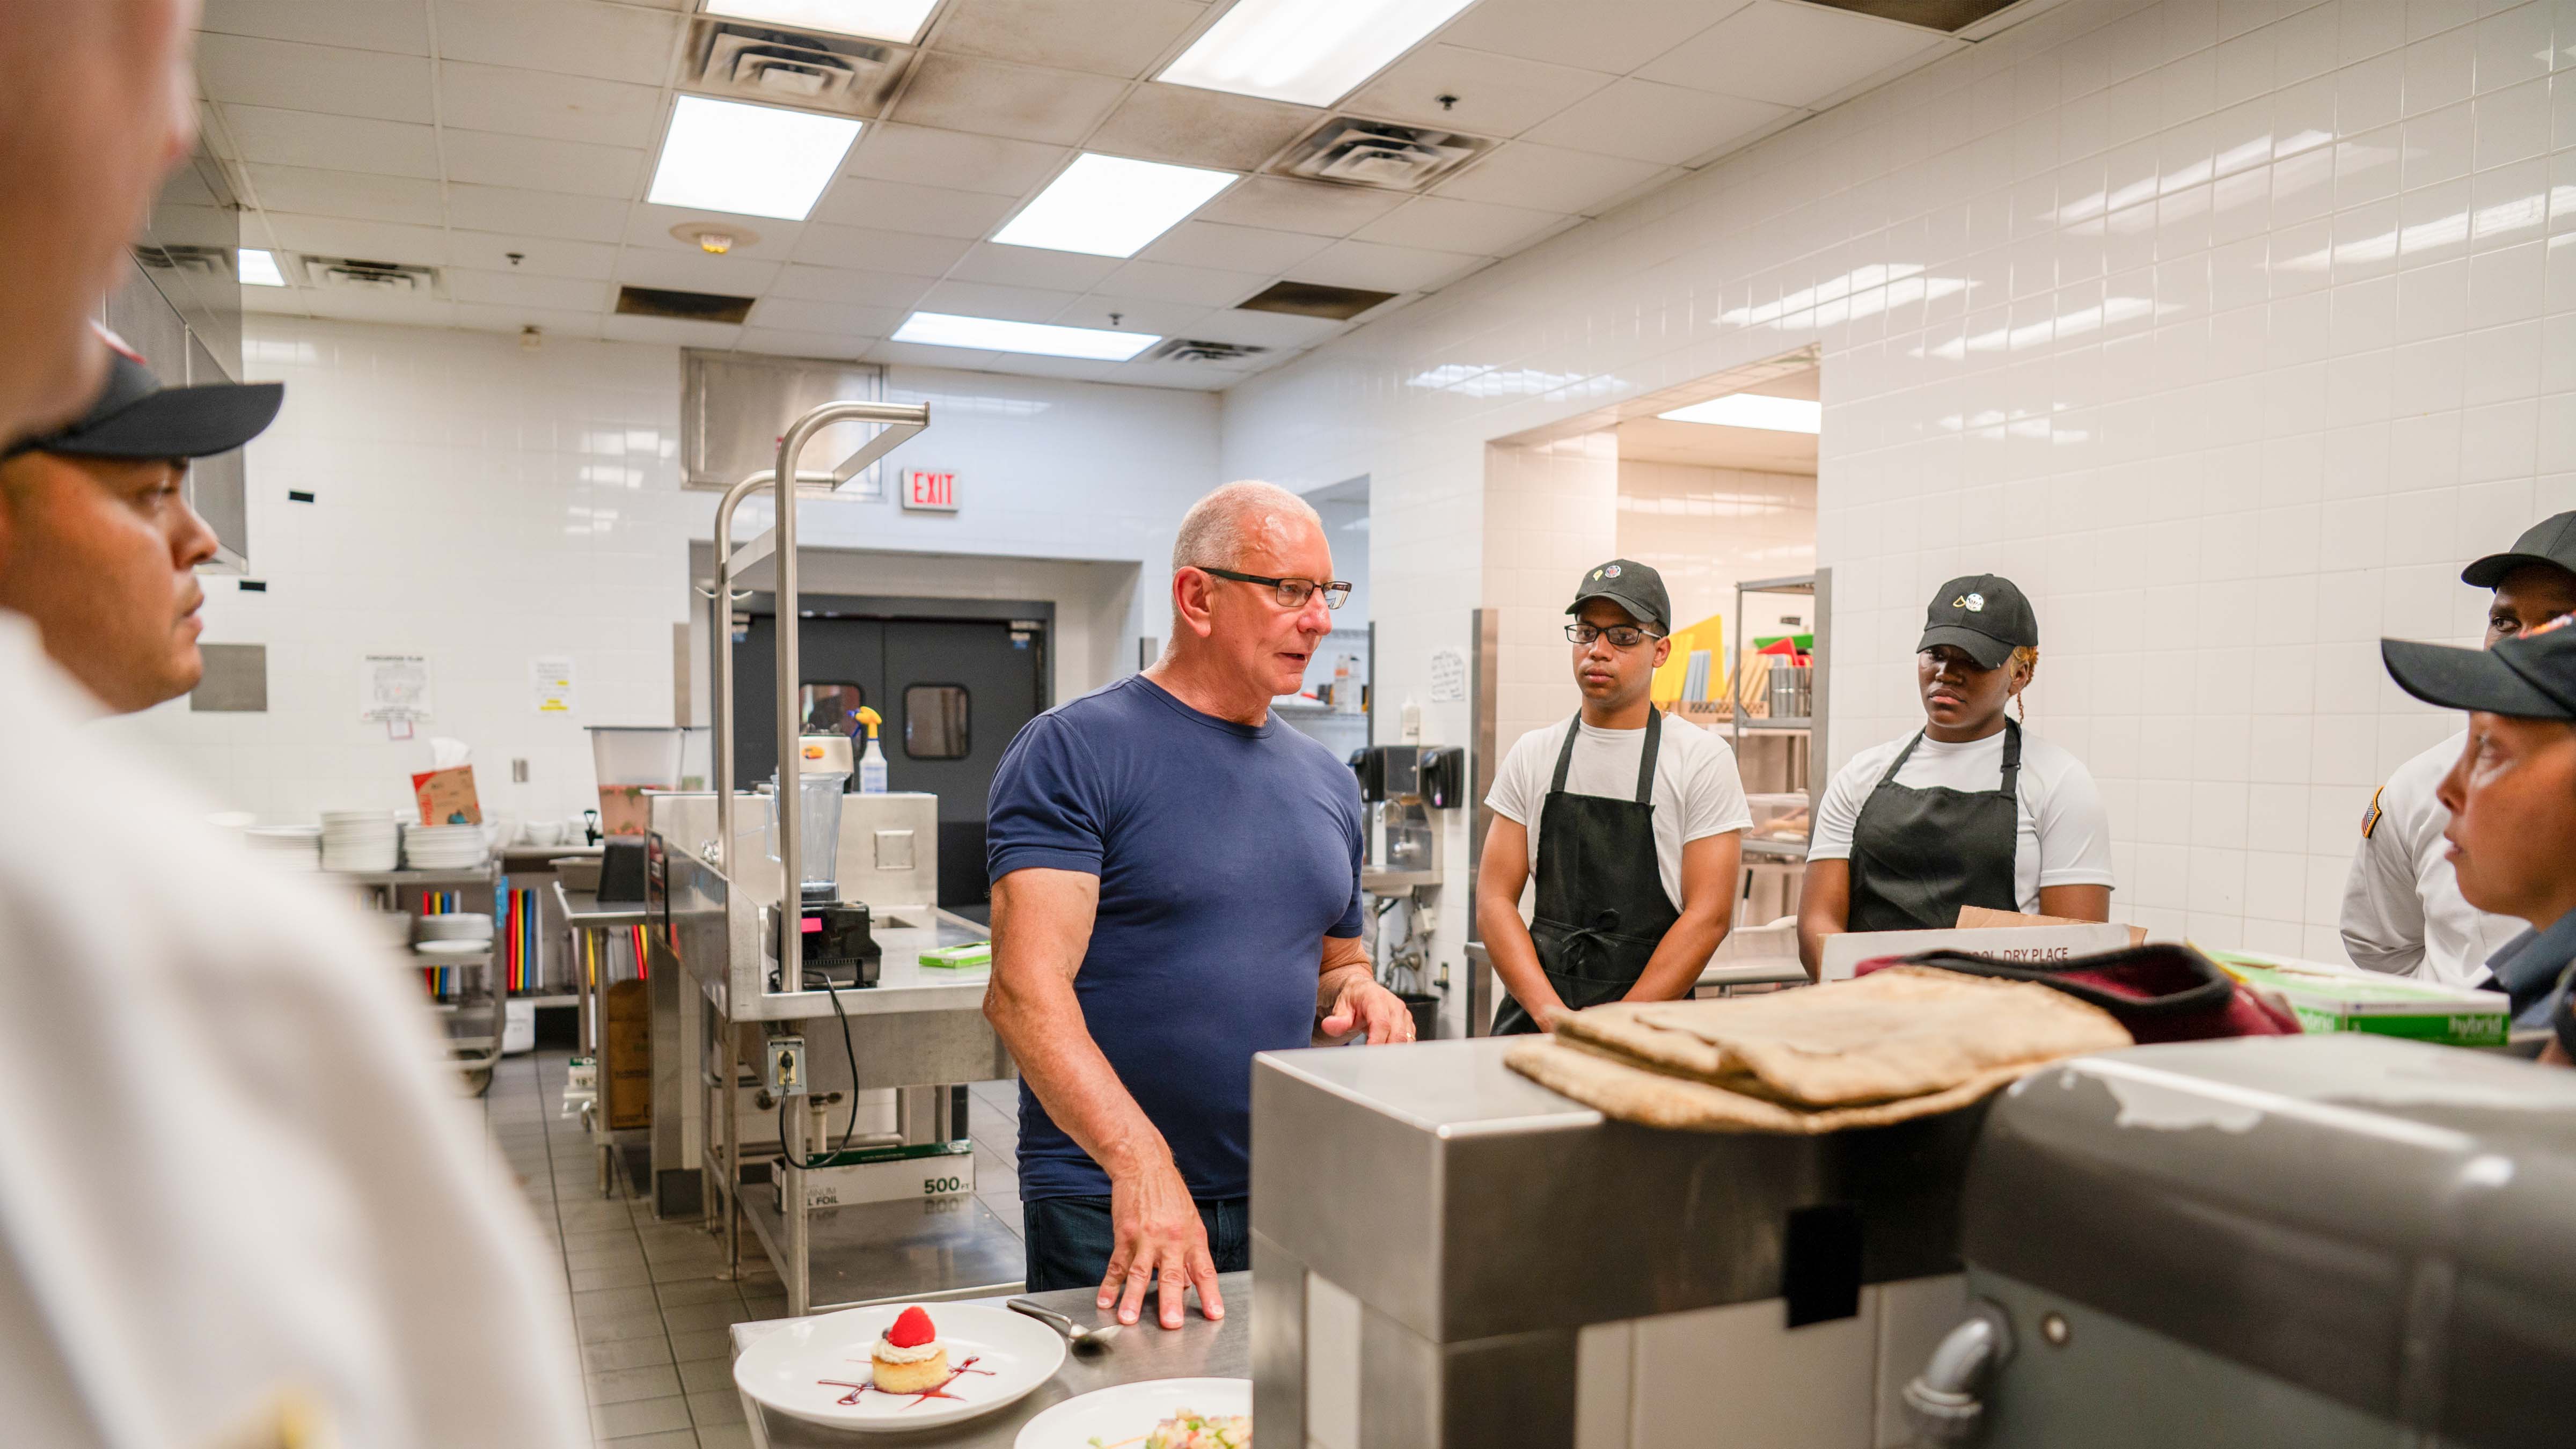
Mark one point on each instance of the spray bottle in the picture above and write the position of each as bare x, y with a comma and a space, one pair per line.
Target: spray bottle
872, 764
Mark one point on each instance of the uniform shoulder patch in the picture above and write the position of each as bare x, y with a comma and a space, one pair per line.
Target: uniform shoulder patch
2370, 817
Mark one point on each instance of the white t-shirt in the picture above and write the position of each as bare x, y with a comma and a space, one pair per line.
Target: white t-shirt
2402, 910
1697, 791
2062, 834
235, 1181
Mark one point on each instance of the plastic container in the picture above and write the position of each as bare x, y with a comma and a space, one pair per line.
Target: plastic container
1778, 817
818, 832
630, 760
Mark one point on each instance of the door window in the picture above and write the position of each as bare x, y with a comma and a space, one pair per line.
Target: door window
934, 721
831, 709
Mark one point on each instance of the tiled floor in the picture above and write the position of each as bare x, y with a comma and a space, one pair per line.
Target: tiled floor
646, 1303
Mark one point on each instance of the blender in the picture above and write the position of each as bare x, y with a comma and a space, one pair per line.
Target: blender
838, 946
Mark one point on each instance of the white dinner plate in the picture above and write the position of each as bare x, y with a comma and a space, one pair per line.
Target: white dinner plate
791, 1369
1130, 1411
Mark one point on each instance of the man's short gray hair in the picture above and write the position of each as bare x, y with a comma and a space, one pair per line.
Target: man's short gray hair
1217, 531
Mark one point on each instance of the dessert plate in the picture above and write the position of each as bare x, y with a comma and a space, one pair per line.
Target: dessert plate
1126, 1413
816, 1369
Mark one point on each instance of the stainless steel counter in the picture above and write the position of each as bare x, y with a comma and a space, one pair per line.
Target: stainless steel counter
1197, 1349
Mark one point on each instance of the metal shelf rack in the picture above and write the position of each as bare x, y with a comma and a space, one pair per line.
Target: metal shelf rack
475, 1022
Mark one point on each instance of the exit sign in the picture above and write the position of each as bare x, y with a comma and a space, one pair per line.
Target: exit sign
930, 492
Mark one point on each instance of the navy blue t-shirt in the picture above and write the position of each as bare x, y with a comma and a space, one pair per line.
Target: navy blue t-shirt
1226, 853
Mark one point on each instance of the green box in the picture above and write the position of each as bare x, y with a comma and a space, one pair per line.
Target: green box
972, 956
2326, 999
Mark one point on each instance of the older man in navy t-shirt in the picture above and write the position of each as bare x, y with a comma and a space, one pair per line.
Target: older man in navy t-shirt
1176, 887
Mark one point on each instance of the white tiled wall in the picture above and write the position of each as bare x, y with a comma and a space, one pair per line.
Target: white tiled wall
1707, 529
485, 505
2229, 327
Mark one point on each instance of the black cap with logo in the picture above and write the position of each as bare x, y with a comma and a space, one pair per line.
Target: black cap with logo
1984, 614
2530, 676
134, 416
1632, 586
2550, 541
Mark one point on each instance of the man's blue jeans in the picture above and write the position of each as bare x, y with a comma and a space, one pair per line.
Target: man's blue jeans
1070, 1239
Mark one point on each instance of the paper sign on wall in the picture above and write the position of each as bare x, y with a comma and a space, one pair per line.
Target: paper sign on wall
394, 687
551, 684
1448, 676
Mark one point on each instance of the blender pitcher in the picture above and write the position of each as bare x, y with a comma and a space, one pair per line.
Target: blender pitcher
818, 832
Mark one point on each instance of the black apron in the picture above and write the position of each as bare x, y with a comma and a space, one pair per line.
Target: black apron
1601, 907
1919, 855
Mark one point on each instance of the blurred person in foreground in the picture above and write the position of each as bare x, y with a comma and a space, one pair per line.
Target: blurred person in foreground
239, 1205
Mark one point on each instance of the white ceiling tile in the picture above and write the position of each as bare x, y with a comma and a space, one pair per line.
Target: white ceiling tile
788, 342
1073, 369
1315, 207
1644, 121
488, 158
358, 194
833, 318
904, 206
402, 28
1795, 55
330, 236
1191, 127
376, 307
929, 157
1616, 40
1443, 223
1120, 40
1233, 248
914, 354
756, 238
210, 130
1032, 267
1193, 376
869, 249
281, 301
1547, 178
537, 256
536, 103
1377, 266
575, 37
520, 289
990, 98
315, 78
1167, 282
499, 317
1135, 314
339, 143
842, 284
1497, 95
695, 272
986, 299
539, 213
669, 331
1264, 329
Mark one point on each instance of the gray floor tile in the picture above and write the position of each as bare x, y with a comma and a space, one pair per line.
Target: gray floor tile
692, 1317
724, 1436
619, 1386
620, 1325
639, 1416
603, 1302
706, 1376
697, 1290
625, 1353
672, 1439
724, 1407
613, 1275
702, 1344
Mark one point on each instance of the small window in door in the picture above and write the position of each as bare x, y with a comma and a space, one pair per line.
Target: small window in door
934, 721
832, 709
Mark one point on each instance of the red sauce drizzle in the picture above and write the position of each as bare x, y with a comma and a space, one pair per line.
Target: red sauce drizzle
918, 1399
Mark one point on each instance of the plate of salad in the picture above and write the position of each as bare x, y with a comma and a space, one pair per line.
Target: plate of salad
1153, 1414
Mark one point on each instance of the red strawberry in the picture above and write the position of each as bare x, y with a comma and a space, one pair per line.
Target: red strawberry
911, 1329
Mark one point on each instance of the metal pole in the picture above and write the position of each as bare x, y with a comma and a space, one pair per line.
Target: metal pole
720, 708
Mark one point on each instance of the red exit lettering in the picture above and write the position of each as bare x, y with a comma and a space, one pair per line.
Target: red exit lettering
931, 490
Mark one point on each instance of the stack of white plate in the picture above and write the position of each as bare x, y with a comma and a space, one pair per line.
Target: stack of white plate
452, 926
445, 847
287, 847
360, 840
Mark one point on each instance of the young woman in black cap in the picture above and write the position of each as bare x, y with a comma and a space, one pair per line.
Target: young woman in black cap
1967, 811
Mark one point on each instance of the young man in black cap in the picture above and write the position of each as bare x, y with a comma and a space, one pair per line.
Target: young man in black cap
1967, 811
2511, 796
2402, 912
1632, 824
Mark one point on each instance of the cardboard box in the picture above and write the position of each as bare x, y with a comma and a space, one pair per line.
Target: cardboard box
1983, 918
447, 796
2335, 998
2037, 944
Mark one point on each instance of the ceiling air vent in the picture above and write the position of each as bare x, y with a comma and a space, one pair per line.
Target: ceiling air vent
213, 263
1313, 299
1944, 15
792, 68
686, 306
1186, 349
1355, 152
357, 274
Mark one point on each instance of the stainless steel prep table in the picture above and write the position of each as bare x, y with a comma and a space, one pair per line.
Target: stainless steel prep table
1197, 1349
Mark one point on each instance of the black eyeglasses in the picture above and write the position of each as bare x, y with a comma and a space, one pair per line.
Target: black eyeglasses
1621, 636
1292, 593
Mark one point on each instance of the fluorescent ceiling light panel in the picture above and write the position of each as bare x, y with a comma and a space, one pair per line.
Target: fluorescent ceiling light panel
749, 160
1752, 410
259, 268
1312, 52
1110, 206
897, 20
986, 334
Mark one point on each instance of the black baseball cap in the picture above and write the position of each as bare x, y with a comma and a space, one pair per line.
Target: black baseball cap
2550, 541
134, 416
1632, 586
1984, 614
2530, 676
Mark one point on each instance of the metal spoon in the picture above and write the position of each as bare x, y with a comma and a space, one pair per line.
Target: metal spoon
1081, 1338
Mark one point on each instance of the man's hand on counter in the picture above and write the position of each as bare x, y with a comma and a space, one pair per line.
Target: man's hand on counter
1353, 1002
1161, 1241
